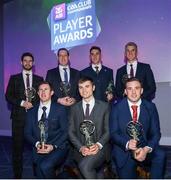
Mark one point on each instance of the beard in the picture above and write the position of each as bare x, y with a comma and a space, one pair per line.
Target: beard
27, 68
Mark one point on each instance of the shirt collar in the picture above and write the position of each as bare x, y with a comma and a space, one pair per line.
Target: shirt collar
134, 63
137, 103
95, 65
61, 67
92, 101
47, 104
27, 72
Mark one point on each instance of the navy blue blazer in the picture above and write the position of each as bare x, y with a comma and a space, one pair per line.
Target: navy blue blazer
101, 80
57, 126
53, 76
119, 118
144, 74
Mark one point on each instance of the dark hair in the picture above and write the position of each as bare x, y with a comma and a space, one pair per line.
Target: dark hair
27, 54
63, 49
46, 82
95, 47
131, 44
131, 80
84, 79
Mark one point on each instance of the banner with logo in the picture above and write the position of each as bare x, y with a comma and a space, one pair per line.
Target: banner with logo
73, 24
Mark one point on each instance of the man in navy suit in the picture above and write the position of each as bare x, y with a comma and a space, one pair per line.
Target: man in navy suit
64, 73
102, 76
144, 146
50, 147
133, 68
16, 96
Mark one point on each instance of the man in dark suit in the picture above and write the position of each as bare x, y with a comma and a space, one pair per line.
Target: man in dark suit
16, 96
134, 145
46, 130
89, 156
102, 76
133, 68
64, 73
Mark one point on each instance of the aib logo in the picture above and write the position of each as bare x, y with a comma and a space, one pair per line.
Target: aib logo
59, 12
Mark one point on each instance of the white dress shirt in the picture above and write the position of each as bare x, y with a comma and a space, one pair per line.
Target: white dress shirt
134, 65
61, 71
97, 65
91, 103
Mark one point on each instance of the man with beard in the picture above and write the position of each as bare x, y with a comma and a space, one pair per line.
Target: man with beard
17, 95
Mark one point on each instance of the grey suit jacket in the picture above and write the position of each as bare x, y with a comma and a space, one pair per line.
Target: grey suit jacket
100, 117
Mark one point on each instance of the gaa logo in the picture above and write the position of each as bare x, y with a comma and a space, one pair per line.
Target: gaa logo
59, 12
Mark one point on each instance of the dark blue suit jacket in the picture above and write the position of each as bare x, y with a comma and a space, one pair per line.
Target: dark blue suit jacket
144, 74
57, 126
53, 76
119, 118
101, 80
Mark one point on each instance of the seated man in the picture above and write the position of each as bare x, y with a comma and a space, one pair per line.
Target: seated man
46, 130
135, 133
89, 130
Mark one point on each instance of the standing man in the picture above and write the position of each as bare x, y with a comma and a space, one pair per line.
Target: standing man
65, 95
102, 76
133, 68
49, 142
90, 148
141, 139
16, 95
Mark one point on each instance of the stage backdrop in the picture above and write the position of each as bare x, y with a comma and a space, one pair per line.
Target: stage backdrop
146, 22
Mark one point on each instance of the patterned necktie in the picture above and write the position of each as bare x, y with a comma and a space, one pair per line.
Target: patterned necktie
131, 71
135, 115
65, 75
87, 111
44, 112
27, 80
97, 69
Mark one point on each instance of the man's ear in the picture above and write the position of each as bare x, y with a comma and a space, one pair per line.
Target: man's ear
142, 90
52, 92
125, 92
94, 87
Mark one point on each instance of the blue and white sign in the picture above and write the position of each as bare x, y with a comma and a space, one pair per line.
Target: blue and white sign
73, 24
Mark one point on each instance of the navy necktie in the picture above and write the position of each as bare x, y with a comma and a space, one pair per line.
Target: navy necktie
97, 69
44, 112
87, 111
65, 75
27, 80
131, 71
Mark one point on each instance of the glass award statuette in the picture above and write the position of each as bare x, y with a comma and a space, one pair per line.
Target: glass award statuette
135, 131
87, 128
109, 89
65, 88
43, 125
30, 94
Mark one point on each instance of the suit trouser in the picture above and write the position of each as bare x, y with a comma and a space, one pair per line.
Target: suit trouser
156, 160
46, 163
88, 165
17, 146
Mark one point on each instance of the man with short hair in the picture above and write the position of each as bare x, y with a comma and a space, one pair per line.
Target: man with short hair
102, 76
21, 94
91, 143
135, 133
46, 130
67, 93
134, 68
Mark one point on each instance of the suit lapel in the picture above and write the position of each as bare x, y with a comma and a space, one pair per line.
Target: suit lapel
80, 111
58, 76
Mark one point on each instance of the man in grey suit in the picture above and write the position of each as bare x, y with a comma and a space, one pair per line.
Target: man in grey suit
89, 157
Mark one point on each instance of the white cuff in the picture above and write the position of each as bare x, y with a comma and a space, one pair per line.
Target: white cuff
22, 102
38, 142
100, 145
